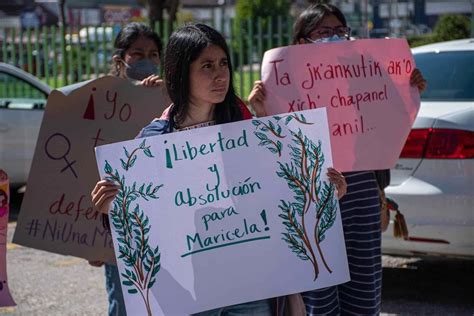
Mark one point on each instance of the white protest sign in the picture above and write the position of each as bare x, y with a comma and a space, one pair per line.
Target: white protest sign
57, 213
364, 84
226, 214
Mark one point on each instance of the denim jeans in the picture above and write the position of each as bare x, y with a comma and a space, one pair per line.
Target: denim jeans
114, 291
257, 308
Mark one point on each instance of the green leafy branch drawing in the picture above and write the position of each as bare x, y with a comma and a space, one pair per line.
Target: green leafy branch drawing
288, 118
275, 146
303, 175
261, 127
131, 158
141, 260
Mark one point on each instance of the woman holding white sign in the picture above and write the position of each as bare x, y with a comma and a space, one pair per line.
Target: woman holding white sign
198, 75
360, 208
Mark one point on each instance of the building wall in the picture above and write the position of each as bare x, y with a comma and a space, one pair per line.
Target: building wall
401, 17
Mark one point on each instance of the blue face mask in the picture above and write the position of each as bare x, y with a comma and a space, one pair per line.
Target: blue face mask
334, 38
141, 69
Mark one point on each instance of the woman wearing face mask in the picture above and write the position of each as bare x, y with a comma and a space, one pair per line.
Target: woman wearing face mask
199, 82
137, 55
360, 207
136, 58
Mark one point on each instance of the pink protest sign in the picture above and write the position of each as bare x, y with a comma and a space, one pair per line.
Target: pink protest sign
5, 296
364, 85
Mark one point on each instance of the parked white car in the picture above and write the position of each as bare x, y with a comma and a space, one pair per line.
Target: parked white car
433, 182
22, 101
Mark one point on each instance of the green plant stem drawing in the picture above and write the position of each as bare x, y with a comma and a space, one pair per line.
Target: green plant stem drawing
261, 127
302, 175
275, 146
311, 195
131, 158
141, 260
294, 116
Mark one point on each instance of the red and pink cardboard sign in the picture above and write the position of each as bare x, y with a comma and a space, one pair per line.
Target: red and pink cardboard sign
364, 85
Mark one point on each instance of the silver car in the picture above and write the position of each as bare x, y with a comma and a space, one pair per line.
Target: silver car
433, 182
22, 101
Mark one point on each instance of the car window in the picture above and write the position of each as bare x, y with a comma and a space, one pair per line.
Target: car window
450, 75
16, 93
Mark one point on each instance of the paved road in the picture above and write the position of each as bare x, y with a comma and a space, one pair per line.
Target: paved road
43, 283
412, 286
47, 284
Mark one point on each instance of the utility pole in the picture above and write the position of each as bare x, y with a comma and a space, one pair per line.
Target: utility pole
366, 18
472, 19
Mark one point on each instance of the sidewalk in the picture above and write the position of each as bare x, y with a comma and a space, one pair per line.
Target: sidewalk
43, 283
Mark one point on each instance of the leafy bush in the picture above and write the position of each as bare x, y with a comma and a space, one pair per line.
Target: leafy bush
449, 27
452, 27
419, 40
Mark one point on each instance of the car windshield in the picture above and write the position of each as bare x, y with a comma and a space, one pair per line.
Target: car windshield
450, 75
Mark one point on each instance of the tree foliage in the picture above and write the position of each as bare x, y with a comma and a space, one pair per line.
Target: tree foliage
449, 27
156, 12
261, 8
253, 10
452, 27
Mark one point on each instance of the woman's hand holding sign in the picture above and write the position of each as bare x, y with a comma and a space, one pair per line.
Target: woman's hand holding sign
336, 178
257, 99
417, 80
103, 194
152, 81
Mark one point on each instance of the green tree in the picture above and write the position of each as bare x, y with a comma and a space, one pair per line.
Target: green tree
261, 8
156, 10
451, 27
253, 10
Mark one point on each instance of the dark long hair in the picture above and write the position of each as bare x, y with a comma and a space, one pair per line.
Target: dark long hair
184, 46
312, 17
128, 35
